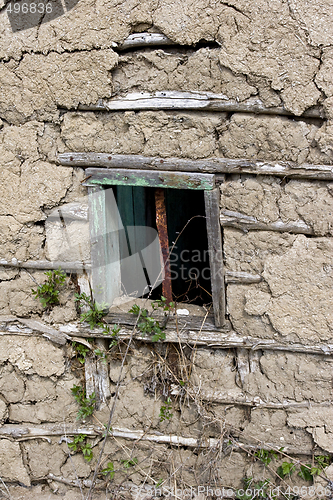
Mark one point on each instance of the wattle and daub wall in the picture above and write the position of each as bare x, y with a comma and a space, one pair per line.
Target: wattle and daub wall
276, 229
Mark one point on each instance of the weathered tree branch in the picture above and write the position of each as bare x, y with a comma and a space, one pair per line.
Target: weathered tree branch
212, 165
248, 223
17, 431
137, 40
194, 101
190, 332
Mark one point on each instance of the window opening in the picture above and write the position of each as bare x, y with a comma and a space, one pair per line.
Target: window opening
186, 235
120, 252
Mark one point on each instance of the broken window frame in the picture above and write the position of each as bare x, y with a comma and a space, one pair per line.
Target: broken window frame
101, 223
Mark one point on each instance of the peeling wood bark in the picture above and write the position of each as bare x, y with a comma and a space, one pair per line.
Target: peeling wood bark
195, 100
19, 431
243, 366
51, 333
184, 323
210, 336
97, 377
212, 165
254, 361
248, 223
149, 178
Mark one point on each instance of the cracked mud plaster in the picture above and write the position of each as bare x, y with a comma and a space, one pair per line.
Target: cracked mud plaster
68, 243
54, 457
274, 377
51, 491
28, 184
193, 135
288, 376
259, 39
248, 251
188, 135
213, 366
262, 40
270, 426
15, 294
182, 70
295, 299
318, 423
37, 85
11, 463
229, 470
269, 199
273, 138
58, 406
19, 241
32, 355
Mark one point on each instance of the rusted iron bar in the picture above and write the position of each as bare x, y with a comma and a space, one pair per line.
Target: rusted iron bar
162, 228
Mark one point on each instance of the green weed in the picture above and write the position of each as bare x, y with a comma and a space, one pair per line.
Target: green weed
109, 470
147, 324
79, 444
165, 411
48, 292
81, 351
128, 463
87, 405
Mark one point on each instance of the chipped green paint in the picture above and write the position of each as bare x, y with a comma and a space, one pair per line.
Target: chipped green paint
141, 178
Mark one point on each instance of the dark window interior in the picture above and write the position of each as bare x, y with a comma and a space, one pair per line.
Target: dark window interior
189, 260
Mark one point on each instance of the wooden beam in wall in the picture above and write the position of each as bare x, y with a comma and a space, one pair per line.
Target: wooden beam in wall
211, 165
149, 178
191, 101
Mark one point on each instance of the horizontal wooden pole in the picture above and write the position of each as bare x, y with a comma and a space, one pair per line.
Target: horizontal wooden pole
191, 101
149, 178
46, 264
137, 40
222, 398
241, 277
18, 431
212, 165
70, 211
10, 325
191, 331
247, 223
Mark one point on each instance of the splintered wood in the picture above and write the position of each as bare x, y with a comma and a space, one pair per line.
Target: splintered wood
162, 228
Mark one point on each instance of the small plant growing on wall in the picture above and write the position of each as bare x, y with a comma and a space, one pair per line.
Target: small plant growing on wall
147, 324
87, 405
48, 292
79, 444
95, 312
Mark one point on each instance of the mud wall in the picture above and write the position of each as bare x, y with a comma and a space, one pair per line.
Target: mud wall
276, 394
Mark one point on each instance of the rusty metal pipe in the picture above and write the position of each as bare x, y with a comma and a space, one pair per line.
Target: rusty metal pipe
162, 228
